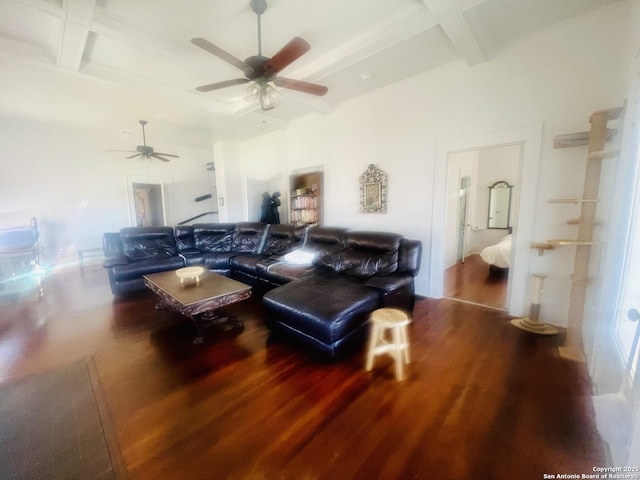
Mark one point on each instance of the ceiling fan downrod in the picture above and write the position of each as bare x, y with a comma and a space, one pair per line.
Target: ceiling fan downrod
144, 138
259, 7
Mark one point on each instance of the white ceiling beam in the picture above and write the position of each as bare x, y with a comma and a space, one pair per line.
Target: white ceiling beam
457, 29
74, 32
117, 77
43, 7
184, 54
113, 26
397, 28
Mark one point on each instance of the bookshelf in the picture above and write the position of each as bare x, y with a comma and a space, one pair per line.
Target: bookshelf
306, 199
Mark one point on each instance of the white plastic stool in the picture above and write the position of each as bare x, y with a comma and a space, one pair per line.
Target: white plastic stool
397, 346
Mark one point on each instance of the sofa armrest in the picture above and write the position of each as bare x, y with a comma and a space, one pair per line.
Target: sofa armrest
116, 260
389, 283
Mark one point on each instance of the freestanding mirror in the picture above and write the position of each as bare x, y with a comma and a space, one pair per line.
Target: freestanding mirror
499, 205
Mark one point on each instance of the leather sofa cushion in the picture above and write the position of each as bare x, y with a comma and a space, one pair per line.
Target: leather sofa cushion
366, 264
143, 267
279, 273
248, 237
281, 239
111, 245
410, 256
213, 237
192, 257
327, 235
185, 240
141, 243
374, 241
246, 263
325, 241
324, 307
367, 254
217, 261
390, 283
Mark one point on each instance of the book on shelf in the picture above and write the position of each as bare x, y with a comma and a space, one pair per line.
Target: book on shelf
309, 201
304, 216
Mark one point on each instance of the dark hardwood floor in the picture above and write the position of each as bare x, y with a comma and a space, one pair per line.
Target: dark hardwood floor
470, 281
482, 400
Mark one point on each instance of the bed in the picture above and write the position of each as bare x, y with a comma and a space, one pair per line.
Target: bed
498, 255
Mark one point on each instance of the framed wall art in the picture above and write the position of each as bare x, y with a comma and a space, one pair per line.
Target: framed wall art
373, 191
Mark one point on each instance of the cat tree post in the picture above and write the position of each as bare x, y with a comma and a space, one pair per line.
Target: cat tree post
532, 323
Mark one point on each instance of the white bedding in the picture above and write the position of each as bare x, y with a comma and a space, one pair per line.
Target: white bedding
499, 253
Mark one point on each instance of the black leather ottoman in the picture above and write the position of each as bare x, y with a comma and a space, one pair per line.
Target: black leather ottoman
326, 312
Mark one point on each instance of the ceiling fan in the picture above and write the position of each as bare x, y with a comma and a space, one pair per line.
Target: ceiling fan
145, 151
260, 69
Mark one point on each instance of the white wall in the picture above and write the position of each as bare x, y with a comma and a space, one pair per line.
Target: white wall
262, 158
558, 77
64, 177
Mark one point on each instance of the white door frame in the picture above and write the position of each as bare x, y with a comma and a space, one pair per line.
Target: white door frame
163, 182
530, 136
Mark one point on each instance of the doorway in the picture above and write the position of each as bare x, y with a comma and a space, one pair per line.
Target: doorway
530, 139
472, 235
148, 205
147, 201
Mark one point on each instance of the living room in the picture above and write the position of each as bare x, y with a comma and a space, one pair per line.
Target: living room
56, 166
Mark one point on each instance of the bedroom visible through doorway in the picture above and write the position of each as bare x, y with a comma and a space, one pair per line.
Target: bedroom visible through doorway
469, 230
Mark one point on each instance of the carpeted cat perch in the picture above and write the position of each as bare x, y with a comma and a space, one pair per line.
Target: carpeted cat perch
532, 324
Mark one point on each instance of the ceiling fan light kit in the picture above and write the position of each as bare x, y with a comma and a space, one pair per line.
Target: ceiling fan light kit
260, 69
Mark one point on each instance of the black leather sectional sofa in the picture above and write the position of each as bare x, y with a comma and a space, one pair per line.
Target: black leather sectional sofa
231, 249
324, 304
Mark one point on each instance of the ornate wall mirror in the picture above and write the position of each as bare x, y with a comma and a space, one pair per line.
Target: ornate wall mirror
373, 191
499, 205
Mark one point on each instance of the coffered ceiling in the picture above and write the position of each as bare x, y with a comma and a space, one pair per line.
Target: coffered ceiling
94, 60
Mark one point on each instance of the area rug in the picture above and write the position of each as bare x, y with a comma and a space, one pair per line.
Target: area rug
51, 427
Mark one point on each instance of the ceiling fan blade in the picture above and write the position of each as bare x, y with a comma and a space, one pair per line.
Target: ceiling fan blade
124, 151
218, 85
134, 156
162, 159
300, 86
287, 55
223, 55
166, 154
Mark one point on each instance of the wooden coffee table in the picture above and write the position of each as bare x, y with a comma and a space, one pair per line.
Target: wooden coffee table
199, 300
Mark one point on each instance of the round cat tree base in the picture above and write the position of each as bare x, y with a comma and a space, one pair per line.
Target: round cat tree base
534, 327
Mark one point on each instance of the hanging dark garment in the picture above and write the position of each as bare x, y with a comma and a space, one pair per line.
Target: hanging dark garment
265, 208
